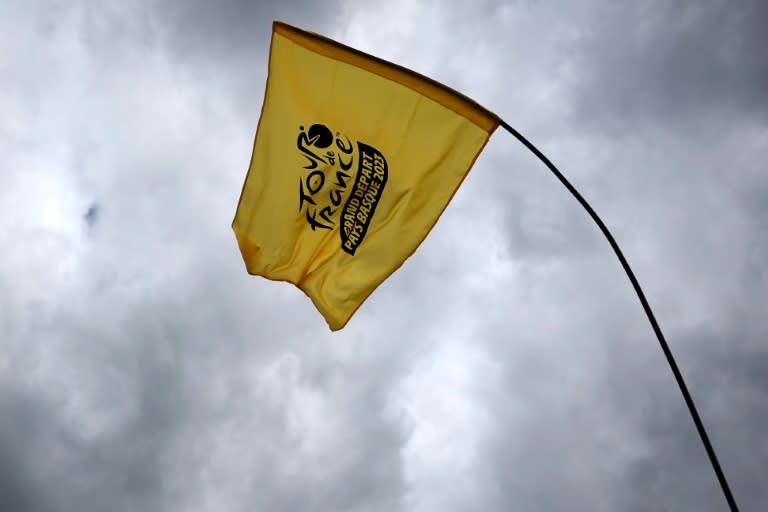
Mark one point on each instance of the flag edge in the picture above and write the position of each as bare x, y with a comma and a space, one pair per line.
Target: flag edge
422, 84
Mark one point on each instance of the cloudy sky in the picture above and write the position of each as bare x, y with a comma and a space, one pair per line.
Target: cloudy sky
507, 365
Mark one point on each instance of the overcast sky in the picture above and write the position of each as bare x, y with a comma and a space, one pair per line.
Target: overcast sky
507, 365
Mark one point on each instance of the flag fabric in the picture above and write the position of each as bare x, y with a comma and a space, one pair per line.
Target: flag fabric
354, 161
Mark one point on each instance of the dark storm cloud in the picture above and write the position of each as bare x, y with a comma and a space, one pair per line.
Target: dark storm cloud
726, 371
153, 411
690, 78
672, 62
661, 131
50, 466
22, 422
142, 370
226, 43
234, 29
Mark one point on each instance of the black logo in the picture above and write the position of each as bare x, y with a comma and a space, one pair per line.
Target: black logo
330, 161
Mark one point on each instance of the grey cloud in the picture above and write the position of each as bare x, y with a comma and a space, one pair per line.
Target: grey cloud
726, 375
226, 43
140, 368
673, 62
51, 467
161, 376
234, 28
19, 488
635, 101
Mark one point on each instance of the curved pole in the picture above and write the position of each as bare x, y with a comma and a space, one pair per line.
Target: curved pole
663, 342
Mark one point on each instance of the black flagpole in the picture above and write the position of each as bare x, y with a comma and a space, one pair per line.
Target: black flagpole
667, 352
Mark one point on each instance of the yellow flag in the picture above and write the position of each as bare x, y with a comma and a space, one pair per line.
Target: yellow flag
354, 161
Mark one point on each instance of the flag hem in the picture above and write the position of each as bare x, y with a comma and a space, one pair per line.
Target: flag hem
449, 98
